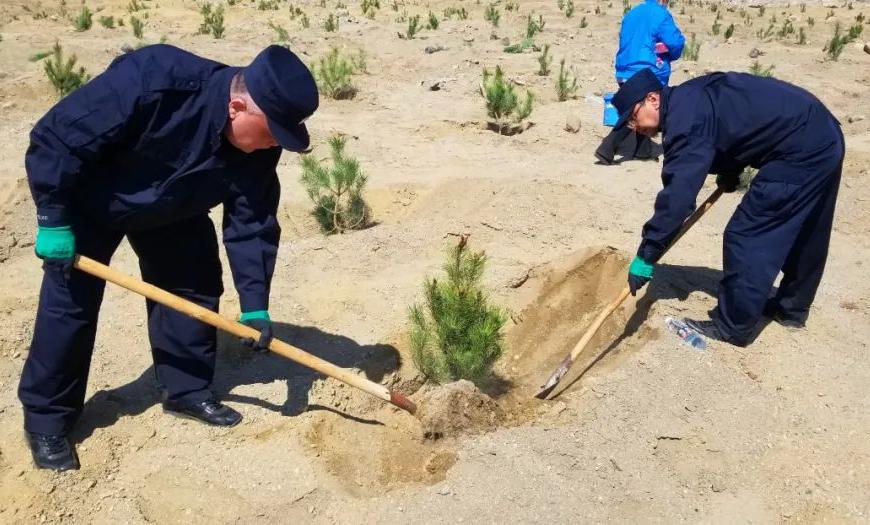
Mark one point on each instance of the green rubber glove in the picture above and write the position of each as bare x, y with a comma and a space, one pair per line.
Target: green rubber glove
258, 320
640, 272
55, 243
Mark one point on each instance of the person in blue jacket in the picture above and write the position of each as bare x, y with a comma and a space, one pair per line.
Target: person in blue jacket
144, 151
648, 39
721, 123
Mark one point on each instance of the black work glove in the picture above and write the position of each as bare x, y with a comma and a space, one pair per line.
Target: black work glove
728, 182
258, 321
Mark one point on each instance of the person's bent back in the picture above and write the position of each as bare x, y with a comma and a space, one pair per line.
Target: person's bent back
646, 25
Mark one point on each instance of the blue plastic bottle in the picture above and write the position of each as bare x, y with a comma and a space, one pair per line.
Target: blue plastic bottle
611, 116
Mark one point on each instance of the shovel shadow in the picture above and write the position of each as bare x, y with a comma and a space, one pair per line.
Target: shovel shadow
237, 366
671, 282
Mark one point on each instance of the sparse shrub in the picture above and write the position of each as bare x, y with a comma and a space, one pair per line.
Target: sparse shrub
802, 37
569, 9
566, 83
761, 71
838, 42
360, 62
716, 28
62, 73
829, 15
295, 11
137, 25
860, 18
544, 61
281, 34
336, 191
395, 5
512, 6
764, 34
811, 21
855, 31
560, 4
761, 11
502, 102
212, 21
492, 15
304, 22
459, 12
331, 24
598, 10
803, 7
533, 26
135, 5
413, 28
456, 334
433, 22
729, 31
108, 22
583, 23
84, 20
521, 47
334, 74
692, 49
268, 5
370, 7
786, 30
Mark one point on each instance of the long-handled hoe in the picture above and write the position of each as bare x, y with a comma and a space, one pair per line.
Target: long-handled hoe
205, 315
569, 360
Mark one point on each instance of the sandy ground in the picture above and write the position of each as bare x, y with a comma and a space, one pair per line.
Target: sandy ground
651, 431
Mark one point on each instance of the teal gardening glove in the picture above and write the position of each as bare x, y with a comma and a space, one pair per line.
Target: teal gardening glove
639, 273
258, 320
56, 246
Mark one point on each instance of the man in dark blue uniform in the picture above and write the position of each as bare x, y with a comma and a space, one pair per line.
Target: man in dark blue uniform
144, 151
722, 123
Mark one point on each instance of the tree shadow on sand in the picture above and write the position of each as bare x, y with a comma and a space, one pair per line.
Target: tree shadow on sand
237, 365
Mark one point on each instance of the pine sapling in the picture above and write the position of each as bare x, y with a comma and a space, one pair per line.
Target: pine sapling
138, 26
336, 191
502, 103
84, 20
534, 27
544, 61
729, 31
62, 73
433, 22
761, 71
692, 49
108, 22
566, 83
492, 15
281, 34
331, 24
413, 28
334, 74
456, 334
569, 9
212, 21
583, 23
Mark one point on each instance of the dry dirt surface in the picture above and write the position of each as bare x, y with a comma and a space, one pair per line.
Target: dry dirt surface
649, 430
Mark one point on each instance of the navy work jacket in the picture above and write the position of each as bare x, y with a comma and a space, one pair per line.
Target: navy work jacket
723, 122
142, 146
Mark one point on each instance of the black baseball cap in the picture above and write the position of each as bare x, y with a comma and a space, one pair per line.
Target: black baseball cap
284, 88
633, 91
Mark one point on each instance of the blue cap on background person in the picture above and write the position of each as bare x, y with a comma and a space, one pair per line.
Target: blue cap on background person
633, 91
284, 89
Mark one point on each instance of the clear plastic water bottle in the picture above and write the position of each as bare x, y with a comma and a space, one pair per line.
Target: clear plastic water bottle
682, 330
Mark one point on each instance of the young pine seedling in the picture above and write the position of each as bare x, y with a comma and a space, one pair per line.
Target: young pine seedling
84, 20
108, 22
138, 26
331, 24
502, 102
534, 27
212, 21
566, 83
433, 22
62, 73
413, 28
569, 9
456, 332
281, 34
334, 74
336, 191
761, 71
692, 49
492, 15
544, 61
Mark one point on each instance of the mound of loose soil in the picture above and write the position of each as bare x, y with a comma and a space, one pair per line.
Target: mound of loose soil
457, 408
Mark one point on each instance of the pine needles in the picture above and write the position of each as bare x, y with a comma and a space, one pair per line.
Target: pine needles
503, 104
84, 20
62, 73
692, 49
566, 83
212, 21
456, 333
334, 74
544, 61
337, 191
492, 15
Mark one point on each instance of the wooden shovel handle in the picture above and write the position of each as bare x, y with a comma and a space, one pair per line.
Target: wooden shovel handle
616, 303
205, 315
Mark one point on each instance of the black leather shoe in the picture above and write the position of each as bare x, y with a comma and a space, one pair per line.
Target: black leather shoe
209, 411
706, 328
772, 311
52, 452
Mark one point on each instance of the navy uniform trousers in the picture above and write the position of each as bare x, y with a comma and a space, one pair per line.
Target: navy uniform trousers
181, 258
779, 226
